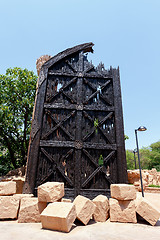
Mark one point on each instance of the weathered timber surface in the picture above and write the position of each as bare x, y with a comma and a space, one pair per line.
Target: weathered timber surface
77, 134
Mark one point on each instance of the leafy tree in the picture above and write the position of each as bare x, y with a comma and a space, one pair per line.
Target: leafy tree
155, 156
17, 92
145, 157
149, 157
130, 159
126, 137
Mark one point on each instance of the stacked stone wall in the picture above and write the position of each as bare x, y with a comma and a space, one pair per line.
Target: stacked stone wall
149, 177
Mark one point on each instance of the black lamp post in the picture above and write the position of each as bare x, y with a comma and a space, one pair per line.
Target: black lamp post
135, 151
141, 129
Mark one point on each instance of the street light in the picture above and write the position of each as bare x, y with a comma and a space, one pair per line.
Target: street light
141, 129
135, 151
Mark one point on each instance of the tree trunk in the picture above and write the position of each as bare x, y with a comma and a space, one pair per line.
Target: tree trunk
11, 152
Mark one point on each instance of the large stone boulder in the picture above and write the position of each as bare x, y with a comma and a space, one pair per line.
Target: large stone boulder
123, 191
58, 216
7, 188
122, 211
20, 196
84, 208
133, 176
30, 210
19, 182
153, 178
158, 178
101, 212
149, 177
9, 206
50, 191
147, 211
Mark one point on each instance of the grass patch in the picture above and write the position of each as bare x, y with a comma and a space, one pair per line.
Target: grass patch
152, 185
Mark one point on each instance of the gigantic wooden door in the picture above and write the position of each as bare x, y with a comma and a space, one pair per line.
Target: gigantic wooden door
77, 126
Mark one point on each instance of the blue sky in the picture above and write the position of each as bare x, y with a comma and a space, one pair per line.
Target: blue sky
126, 33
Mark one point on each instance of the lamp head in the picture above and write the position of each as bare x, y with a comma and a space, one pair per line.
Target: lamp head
142, 129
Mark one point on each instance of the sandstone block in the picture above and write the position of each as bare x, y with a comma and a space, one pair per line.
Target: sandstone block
145, 176
41, 206
50, 191
58, 216
7, 188
66, 200
144, 186
158, 178
8, 207
20, 196
123, 191
122, 211
133, 175
19, 184
29, 210
84, 208
147, 211
101, 212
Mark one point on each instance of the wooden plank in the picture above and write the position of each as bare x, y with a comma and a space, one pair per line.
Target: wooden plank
73, 80
121, 156
33, 150
109, 115
82, 130
59, 125
71, 66
99, 146
87, 47
99, 108
92, 193
51, 143
109, 157
78, 134
58, 167
83, 74
91, 176
74, 106
97, 166
59, 106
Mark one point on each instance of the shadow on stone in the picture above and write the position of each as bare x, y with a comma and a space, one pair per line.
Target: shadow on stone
79, 223
141, 220
158, 223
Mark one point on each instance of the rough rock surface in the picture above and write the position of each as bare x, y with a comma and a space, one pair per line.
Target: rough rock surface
133, 175
149, 177
7, 188
123, 191
20, 196
19, 184
101, 212
8, 207
29, 210
50, 191
122, 211
66, 200
147, 211
41, 206
58, 216
40, 61
84, 208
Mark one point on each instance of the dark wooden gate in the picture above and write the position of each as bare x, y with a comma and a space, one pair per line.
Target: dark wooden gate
77, 132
